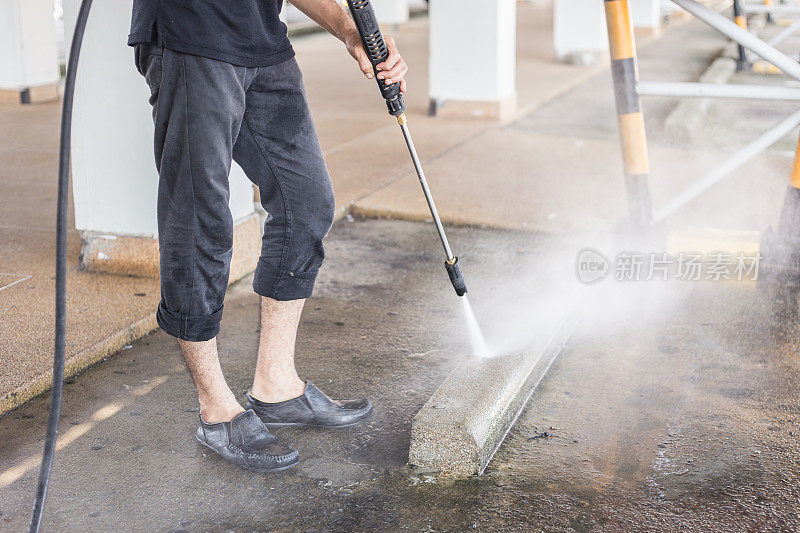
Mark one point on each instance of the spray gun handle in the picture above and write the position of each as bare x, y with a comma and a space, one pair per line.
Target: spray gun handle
375, 46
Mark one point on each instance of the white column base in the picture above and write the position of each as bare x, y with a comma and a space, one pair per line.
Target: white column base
579, 32
30, 95
138, 256
485, 32
646, 17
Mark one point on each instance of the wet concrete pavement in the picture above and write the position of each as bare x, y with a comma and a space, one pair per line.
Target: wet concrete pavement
678, 410
675, 406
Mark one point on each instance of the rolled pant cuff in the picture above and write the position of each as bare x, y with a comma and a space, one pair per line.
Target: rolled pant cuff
283, 285
187, 327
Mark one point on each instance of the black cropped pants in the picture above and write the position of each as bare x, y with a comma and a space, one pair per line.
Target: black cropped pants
208, 113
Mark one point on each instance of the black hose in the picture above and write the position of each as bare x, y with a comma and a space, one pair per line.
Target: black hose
61, 269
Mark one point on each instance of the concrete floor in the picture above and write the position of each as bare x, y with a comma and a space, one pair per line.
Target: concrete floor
675, 406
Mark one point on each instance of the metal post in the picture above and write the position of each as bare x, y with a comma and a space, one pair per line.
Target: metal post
629, 112
741, 21
789, 224
743, 37
779, 248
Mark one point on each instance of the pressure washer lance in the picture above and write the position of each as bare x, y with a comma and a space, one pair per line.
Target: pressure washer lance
372, 38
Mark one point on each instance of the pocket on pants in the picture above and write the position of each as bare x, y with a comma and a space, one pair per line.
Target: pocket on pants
148, 59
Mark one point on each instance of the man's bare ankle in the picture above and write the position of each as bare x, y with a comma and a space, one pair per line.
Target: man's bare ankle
277, 392
220, 413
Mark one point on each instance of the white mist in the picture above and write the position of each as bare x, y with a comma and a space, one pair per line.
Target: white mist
476, 338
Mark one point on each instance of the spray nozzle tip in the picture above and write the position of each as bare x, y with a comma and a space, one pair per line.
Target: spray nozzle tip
456, 276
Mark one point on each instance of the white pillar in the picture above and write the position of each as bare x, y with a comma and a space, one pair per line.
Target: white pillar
646, 15
284, 11
113, 169
579, 31
473, 58
391, 11
28, 49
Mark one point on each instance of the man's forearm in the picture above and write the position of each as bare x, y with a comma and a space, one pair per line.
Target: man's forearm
331, 16
328, 14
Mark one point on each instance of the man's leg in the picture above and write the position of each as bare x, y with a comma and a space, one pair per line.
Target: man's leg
198, 105
217, 402
276, 377
195, 129
279, 150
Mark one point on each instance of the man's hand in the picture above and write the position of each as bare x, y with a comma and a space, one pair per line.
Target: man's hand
332, 17
393, 70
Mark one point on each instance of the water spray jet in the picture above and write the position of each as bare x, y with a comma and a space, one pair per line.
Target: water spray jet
375, 46
476, 338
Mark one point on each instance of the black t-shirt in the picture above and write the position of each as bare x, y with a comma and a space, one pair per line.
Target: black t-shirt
247, 33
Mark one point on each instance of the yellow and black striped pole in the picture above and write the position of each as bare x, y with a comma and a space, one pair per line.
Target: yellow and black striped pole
629, 112
780, 249
789, 223
741, 21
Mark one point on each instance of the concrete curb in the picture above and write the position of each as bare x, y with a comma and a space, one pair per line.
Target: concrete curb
458, 430
689, 115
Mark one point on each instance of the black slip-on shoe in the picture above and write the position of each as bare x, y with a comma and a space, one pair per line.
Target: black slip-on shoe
312, 409
246, 442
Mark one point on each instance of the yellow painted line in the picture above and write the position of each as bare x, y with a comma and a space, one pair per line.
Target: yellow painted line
634, 143
620, 29
10, 475
710, 241
763, 67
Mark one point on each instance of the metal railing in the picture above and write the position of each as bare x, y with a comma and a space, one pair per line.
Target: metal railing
628, 90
